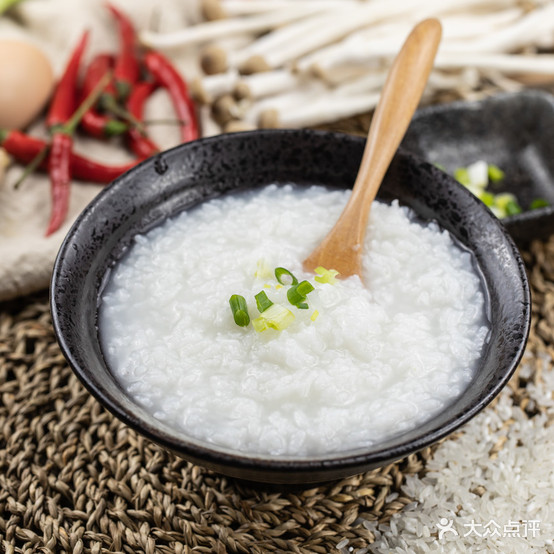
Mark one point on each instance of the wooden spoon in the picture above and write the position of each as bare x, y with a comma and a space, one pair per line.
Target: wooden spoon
342, 248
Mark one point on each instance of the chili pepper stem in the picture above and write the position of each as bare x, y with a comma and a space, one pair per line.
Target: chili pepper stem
72, 123
110, 104
33, 165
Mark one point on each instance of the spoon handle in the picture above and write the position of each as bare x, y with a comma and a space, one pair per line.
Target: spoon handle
343, 246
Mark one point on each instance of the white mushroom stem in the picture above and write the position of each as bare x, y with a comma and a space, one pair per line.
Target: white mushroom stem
233, 8
260, 85
362, 51
389, 36
215, 30
237, 126
251, 58
314, 105
326, 108
206, 89
300, 96
438, 80
337, 76
540, 64
207, 124
370, 81
528, 30
294, 40
537, 64
467, 78
297, 39
502, 81
315, 111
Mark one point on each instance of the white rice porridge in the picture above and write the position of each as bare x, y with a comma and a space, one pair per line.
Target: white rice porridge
380, 358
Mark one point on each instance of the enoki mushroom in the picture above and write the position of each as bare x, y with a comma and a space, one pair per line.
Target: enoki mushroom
292, 63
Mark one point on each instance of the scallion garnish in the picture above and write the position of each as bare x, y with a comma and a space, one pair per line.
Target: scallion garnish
281, 272
263, 271
513, 208
297, 294
495, 173
487, 198
325, 275
262, 301
239, 309
538, 203
507, 203
461, 175
476, 178
275, 317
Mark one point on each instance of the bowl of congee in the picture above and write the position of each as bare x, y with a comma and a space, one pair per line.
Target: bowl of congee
180, 300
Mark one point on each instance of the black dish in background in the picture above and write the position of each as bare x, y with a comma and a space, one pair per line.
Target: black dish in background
514, 131
189, 174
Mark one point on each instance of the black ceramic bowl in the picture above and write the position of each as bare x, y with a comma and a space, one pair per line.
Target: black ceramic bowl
515, 131
189, 174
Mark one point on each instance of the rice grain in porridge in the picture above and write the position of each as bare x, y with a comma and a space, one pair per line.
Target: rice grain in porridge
381, 357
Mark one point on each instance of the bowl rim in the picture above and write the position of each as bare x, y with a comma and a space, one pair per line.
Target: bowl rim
232, 461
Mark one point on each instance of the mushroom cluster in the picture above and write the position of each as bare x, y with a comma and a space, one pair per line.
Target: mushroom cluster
298, 63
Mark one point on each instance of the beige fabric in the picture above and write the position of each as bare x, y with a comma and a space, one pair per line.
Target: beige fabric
55, 25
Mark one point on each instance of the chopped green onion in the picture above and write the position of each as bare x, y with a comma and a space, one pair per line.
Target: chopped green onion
539, 203
461, 175
513, 208
263, 271
440, 166
495, 173
259, 324
305, 287
502, 200
294, 296
297, 294
239, 309
280, 272
487, 198
325, 275
275, 317
262, 301
313, 317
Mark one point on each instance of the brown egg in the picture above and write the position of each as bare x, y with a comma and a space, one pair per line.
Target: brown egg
26, 81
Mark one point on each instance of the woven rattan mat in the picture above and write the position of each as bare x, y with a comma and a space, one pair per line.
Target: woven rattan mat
74, 479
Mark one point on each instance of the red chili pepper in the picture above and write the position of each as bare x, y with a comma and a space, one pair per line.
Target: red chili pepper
140, 143
62, 107
64, 101
126, 70
59, 168
169, 78
24, 148
90, 170
94, 123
